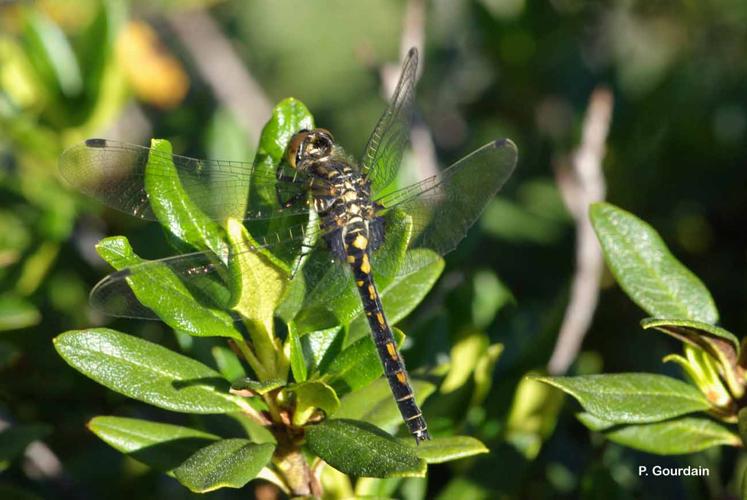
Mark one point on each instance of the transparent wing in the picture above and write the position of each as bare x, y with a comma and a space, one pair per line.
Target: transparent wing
383, 152
172, 284
445, 206
175, 280
114, 173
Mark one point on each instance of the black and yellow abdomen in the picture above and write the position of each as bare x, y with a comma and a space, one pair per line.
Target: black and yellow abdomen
357, 250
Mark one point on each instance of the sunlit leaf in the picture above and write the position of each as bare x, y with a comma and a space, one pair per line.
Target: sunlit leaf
646, 270
671, 437
229, 463
172, 206
311, 395
258, 286
162, 446
161, 291
445, 449
631, 397
360, 449
148, 372
533, 415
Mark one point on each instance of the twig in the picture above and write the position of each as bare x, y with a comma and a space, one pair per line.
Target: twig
580, 185
42, 462
222, 68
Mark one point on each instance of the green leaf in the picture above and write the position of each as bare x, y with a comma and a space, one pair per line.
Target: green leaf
446, 449
361, 449
358, 365
721, 344
147, 372
161, 446
16, 313
288, 117
646, 270
257, 387
161, 291
742, 424
483, 374
15, 439
258, 285
671, 437
52, 55
229, 463
95, 44
174, 208
310, 396
465, 353
693, 332
405, 292
631, 397
227, 362
533, 415
321, 347
375, 404
489, 295
297, 360
375, 488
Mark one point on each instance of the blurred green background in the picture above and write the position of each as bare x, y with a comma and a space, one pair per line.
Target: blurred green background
203, 75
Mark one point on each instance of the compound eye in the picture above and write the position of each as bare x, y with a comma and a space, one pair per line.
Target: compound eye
322, 142
295, 148
325, 133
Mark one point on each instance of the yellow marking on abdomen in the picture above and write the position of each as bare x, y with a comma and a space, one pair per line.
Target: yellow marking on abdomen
380, 318
391, 350
401, 377
365, 264
359, 283
371, 292
351, 259
360, 242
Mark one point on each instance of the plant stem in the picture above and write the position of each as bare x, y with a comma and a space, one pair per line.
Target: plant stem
295, 469
250, 358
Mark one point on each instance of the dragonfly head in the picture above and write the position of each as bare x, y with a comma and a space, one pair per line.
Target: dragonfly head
309, 145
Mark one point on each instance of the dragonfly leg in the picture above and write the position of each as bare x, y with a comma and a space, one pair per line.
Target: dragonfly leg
305, 250
292, 200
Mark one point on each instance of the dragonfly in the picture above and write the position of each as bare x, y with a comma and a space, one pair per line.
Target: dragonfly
351, 205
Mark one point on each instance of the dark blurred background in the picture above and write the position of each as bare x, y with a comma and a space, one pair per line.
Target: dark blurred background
205, 74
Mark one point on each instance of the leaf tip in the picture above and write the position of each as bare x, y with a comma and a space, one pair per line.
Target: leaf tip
161, 145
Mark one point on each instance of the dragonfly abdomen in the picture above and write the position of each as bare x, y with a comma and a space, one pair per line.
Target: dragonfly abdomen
356, 248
